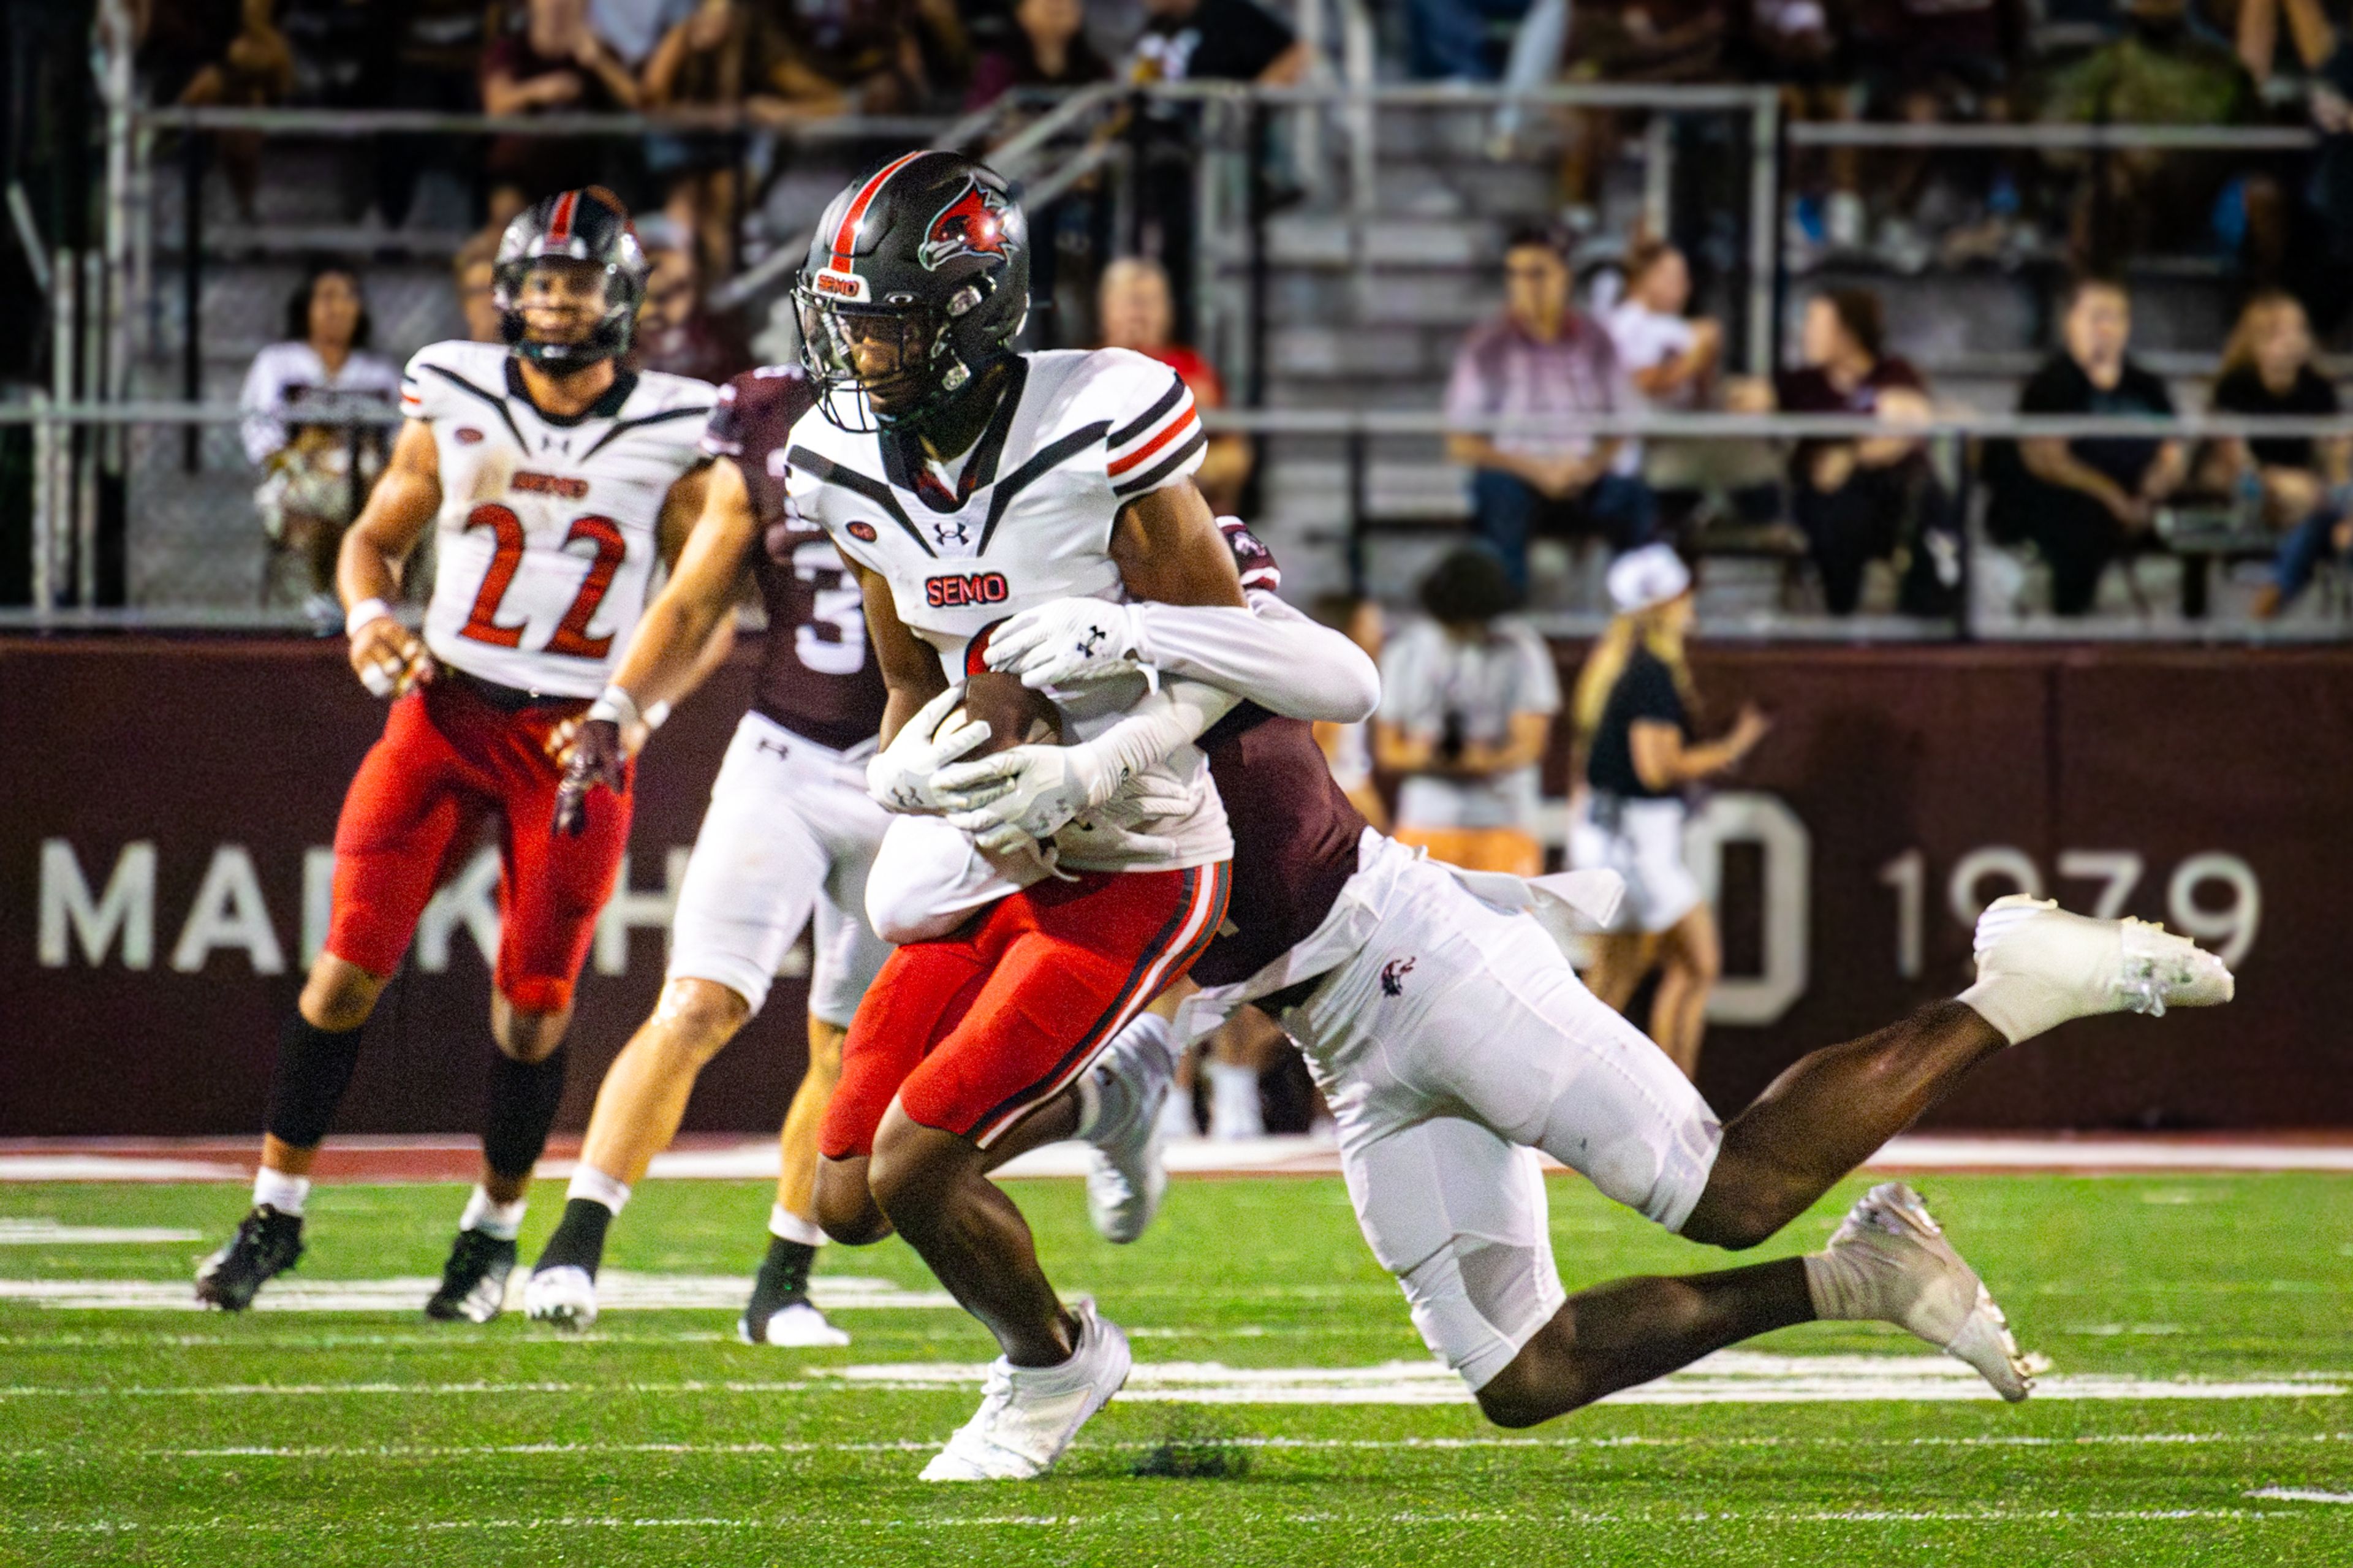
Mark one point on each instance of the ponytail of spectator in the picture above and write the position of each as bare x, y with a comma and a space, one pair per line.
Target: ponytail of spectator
1661, 634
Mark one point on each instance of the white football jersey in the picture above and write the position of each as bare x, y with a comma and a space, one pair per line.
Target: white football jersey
548, 528
1027, 518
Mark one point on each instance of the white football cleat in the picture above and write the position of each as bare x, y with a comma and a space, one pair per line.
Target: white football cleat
1029, 1415
1124, 1091
564, 1296
1889, 1261
2053, 965
797, 1325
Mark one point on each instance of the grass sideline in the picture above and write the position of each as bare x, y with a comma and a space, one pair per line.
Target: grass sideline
147, 1437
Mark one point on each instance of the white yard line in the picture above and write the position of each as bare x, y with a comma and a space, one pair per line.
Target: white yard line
1728, 1377
1124, 1519
66, 1160
2297, 1494
1284, 1445
50, 1233
617, 1289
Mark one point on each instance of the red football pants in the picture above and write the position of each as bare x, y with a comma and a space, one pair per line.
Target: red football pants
448, 760
974, 1032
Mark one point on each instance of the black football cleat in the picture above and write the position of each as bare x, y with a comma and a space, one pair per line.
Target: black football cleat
780, 1312
474, 1280
266, 1245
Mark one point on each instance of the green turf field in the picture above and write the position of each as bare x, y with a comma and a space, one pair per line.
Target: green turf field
339, 1437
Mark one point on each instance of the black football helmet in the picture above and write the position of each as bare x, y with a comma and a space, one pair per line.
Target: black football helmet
917, 280
586, 225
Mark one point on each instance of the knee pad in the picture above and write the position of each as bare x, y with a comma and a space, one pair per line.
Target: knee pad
523, 1099
314, 1068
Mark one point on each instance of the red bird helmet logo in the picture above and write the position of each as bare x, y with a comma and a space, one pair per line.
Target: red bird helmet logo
972, 224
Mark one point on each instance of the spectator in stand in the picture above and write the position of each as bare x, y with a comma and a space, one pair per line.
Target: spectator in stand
705, 61
218, 54
1858, 501
2300, 487
1634, 712
634, 29
1800, 45
474, 272
2081, 501
1663, 41
831, 58
1928, 62
675, 333
1217, 40
431, 60
1136, 311
300, 397
1544, 360
1673, 360
1048, 47
2161, 72
548, 60
1467, 703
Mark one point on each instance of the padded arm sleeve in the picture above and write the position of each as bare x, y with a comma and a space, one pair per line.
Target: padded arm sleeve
1271, 654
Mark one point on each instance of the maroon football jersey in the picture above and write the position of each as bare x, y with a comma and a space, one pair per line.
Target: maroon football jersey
1295, 840
817, 677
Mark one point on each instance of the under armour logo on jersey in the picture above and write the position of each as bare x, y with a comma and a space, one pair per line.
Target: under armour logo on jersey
1393, 975
1092, 641
948, 533
550, 443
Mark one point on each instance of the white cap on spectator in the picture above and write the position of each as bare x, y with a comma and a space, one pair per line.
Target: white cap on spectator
1645, 578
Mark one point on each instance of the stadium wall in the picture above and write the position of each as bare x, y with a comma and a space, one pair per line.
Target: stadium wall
164, 809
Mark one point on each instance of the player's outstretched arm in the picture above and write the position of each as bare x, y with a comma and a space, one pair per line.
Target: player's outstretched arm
386, 655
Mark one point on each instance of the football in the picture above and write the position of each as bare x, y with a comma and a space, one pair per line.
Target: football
1014, 714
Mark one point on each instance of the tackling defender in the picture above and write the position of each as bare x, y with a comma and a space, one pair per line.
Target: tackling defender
1452, 1040
554, 478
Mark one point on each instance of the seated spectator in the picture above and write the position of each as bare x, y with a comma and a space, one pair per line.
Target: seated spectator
1663, 41
1133, 307
298, 399
1452, 40
1673, 360
850, 56
1467, 703
675, 333
474, 272
1801, 46
219, 54
1217, 40
2160, 72
2298, 486
1859, 502
703, 62
1048, 48
549, 59
1543, 360
432, 60
2082, 501
1926, 62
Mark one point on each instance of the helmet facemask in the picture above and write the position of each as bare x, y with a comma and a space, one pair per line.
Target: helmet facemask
889, 366
576, 249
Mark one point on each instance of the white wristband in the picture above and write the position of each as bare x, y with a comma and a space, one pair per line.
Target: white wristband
617, 706
654, 714
363, 612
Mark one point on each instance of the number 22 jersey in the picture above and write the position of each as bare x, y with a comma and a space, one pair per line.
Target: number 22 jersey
549, 527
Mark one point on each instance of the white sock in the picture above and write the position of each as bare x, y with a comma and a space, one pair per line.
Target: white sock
1234, 1109
279, 1191
503, 1221
1176, 1122
783, 1222
588, 1181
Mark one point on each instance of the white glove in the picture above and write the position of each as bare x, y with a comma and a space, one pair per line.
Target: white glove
1024, 794
1066, 642
899, 776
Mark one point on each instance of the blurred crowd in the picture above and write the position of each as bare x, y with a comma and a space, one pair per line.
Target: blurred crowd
1881, 507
